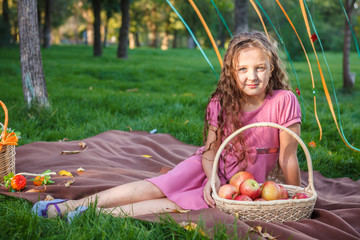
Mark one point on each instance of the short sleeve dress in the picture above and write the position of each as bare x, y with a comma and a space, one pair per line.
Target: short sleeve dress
184, 184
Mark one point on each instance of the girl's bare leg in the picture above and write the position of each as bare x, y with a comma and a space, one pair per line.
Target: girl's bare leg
143, 207
117, 196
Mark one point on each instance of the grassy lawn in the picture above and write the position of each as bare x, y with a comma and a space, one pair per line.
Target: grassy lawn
154, 89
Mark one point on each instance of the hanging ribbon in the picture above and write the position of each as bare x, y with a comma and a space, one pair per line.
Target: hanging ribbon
193, 37
260, 17
208, 32
352, 30
308, 61
326, 91
222, 19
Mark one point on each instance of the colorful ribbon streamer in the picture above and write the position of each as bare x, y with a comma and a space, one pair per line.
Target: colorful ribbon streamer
208, 32
326, 91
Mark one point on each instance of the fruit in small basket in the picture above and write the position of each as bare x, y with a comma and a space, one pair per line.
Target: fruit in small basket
270, 191
239, 177
300, 195
242, 198
284, 192
227, 191
18, 182
250, 188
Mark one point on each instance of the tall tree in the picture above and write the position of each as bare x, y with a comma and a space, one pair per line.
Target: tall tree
96, 4
33, 79
241, 16
47, 24
124, 30
348, 77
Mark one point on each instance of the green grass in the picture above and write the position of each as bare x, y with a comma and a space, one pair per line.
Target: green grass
166, 90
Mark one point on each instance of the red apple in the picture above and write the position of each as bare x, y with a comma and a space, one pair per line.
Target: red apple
270, 191
250, 188
239, 177
300, 195
259, 199
284, 192
227, 191
242, 198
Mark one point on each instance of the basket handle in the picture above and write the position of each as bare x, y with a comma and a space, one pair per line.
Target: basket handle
6, 119
262, 124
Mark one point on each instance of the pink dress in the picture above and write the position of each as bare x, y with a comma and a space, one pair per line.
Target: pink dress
184, 184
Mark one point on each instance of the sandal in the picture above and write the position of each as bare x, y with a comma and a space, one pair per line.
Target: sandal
78, 211
41, 208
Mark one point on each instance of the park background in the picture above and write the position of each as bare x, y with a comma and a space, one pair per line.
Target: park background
160, 79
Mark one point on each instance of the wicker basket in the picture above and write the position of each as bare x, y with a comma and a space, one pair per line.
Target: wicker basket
269, 211
7, 153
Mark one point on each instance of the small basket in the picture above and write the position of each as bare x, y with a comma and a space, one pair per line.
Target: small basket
268, 211
7, 152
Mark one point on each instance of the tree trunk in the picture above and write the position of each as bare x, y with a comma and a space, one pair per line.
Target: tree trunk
6, 38
348, 77
105, 44
96, 4
241, 16
47, 25
124, 30
33, 79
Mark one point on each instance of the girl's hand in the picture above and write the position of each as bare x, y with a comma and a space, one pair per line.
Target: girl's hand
207, 191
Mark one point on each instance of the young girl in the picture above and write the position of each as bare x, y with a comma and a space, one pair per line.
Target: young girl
252, 88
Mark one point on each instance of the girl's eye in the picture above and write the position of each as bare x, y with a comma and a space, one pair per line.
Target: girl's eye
261, 68
242, 70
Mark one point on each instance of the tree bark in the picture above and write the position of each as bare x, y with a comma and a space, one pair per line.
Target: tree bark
241, 16
96, 4
33, 79
124, 30
47, 24
348, 77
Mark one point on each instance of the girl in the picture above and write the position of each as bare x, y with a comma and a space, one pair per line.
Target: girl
252, 88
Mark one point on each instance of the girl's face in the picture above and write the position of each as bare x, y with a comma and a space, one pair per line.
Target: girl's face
253, 73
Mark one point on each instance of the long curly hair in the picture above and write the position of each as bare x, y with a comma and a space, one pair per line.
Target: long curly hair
232, 98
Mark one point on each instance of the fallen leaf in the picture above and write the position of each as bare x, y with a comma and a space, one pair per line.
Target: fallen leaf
130, 128
37, 189
70, 152
49, 198
80, 169
82, 144
190, 226
65, 173
186, 122
68, 183
147, 156
258, 229
179, 210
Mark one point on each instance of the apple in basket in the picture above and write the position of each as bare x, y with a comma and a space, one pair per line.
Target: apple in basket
300, 195
270, 191
250, 188
259, 200
227, 191
284, 192
239, 177
242, 198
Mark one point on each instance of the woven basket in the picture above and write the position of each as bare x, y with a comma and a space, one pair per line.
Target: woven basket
269, 211
7, 153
